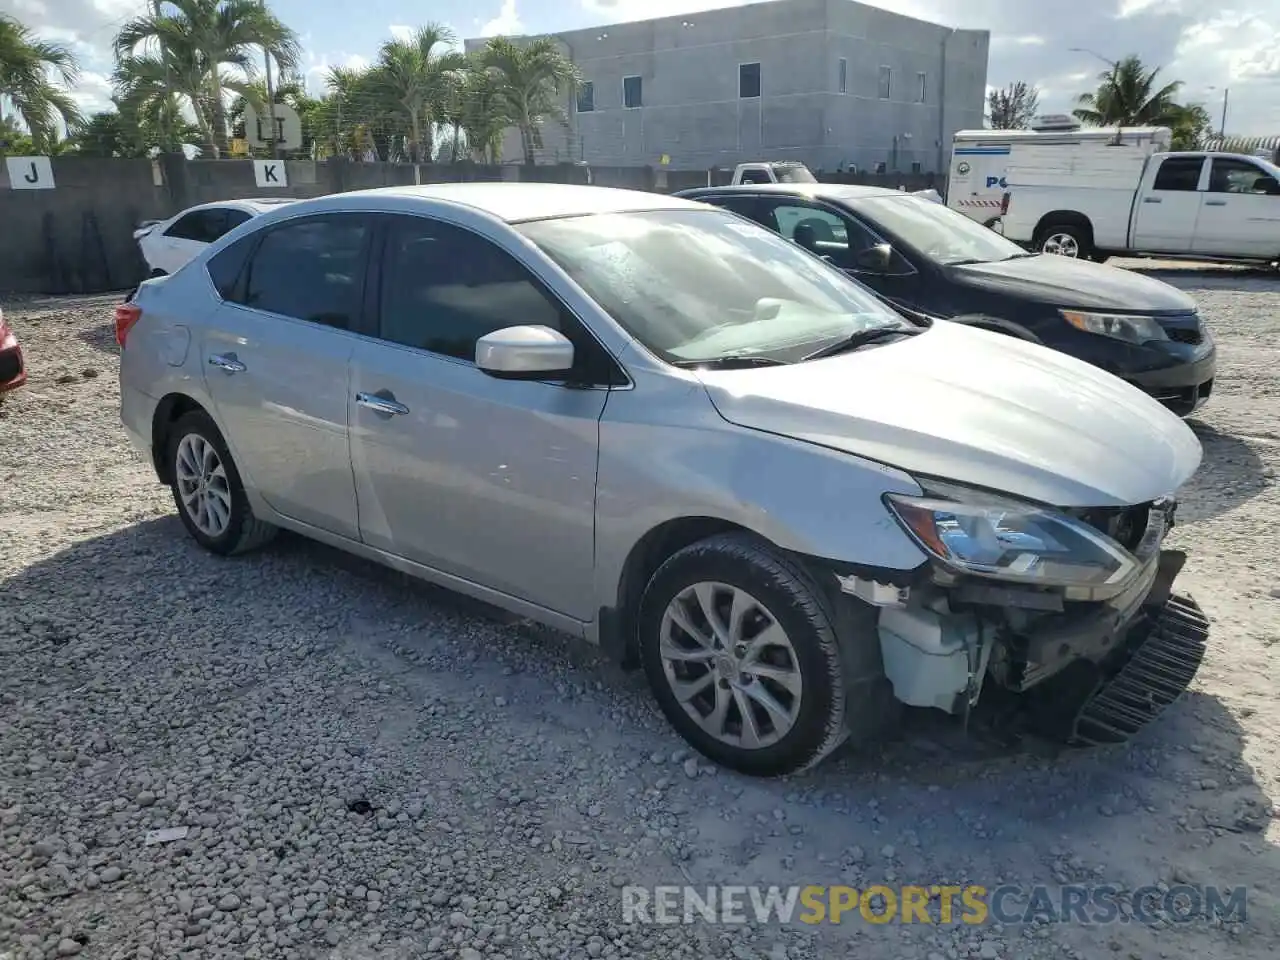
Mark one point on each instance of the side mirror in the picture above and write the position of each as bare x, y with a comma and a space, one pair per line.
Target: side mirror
1266, 185
525, 353
875, 259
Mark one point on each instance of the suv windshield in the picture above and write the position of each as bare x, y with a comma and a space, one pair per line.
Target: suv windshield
937, 231
706, 285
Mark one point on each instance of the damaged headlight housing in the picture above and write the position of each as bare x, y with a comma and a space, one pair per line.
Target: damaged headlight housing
1134, 329
986, 535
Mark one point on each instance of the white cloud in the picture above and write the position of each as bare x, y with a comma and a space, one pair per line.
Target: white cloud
506, 24
1027, 40
93, 92
401, 32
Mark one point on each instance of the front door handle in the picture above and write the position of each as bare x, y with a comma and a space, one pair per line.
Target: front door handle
384, 405
1151, 200
227, 362
1215, 203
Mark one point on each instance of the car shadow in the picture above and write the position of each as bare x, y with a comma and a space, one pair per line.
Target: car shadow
1230, 475
930, 806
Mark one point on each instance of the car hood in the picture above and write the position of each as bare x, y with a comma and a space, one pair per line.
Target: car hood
1067, 282
977, 408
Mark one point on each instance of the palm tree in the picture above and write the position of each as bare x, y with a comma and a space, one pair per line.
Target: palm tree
1127, 96
482, 112
532, 76
24, 82
213, 34
153, 90
416, 75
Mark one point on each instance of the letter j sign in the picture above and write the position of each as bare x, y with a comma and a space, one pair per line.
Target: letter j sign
269, 173
29, 173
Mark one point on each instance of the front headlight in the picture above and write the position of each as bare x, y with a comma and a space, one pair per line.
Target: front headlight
985, 535
1118, 326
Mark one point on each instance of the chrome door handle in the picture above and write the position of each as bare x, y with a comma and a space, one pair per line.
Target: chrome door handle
1151, 200
1215, 203
381, 404
228, 363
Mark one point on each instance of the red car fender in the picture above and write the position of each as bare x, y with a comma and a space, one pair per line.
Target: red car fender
9, 347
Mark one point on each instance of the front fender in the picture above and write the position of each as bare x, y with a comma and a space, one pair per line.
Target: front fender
666, 454
984, 321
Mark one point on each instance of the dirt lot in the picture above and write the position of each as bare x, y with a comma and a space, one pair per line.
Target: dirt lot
515, 782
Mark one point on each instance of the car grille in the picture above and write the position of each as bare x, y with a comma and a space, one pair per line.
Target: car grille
1186, 328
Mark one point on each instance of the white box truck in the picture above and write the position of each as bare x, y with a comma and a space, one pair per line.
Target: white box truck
978, 177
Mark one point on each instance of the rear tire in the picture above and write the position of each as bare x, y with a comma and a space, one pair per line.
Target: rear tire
1065, 240
207, 489
783, 663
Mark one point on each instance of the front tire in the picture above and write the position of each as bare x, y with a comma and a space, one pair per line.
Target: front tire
740, 650
207, 489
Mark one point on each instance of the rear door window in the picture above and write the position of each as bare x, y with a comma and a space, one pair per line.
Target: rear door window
1181, 174
312, 269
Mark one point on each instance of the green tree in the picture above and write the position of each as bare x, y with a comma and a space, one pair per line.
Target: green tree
1013, 107
25, 63
483, 112
1192, 126
532, 77
416, 75
1129, 95
210, 35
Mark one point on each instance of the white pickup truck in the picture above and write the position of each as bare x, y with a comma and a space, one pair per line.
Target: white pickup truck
1120, 200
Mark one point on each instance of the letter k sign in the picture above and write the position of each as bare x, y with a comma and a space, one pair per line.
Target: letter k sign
270, 173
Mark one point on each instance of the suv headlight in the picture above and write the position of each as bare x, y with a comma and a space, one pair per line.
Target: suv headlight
1118, 326
986, 535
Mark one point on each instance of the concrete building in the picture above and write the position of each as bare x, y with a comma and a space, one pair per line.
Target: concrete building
827, 82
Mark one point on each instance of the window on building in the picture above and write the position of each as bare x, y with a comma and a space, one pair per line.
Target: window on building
915, 167
886, 82
921, 84
586, 97
844, 75
748, 80
632, 93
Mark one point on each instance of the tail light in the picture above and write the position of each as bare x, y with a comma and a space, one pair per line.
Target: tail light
1004, 203
127, 314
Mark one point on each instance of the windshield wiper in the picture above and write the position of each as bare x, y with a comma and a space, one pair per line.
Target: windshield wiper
728, 363
861, 339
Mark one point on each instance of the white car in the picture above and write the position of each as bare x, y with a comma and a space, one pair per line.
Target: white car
167, 244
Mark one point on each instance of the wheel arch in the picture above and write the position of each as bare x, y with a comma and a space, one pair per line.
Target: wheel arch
1063, 218
618, 622
171, 408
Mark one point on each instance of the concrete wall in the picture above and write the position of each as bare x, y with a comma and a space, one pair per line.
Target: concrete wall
692, 112
78, 237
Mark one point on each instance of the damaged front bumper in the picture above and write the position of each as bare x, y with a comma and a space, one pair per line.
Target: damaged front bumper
1082, 672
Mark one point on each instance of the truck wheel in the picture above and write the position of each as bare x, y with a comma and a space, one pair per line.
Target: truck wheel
1065, 240
740, 647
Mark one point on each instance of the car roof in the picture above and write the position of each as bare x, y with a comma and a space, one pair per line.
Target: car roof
512, 202
820, 191
248, 204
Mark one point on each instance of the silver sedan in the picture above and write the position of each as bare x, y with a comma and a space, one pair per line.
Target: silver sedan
666, 430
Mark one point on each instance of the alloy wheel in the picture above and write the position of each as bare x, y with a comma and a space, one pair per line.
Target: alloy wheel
1062, 244
202, 485
731, 665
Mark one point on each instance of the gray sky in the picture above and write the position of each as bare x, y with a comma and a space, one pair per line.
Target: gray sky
1208, 47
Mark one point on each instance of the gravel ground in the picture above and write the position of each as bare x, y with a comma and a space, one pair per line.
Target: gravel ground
368, 767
